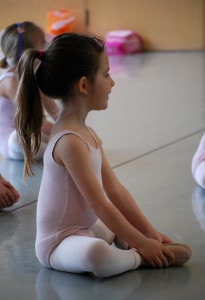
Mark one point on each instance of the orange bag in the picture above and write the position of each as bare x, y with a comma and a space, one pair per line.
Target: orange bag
60, 21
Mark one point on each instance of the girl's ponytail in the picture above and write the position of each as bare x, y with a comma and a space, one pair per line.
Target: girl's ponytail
29, 113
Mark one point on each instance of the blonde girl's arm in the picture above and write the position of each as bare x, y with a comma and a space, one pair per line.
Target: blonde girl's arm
50, 106
71, 152
9, 88
52, 109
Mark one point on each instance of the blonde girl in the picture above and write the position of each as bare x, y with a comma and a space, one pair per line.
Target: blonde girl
15, 39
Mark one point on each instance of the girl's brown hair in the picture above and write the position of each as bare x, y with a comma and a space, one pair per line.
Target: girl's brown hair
69, 57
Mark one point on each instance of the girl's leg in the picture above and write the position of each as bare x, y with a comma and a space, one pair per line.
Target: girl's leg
101, 231
15, 148
200, 174
79, 254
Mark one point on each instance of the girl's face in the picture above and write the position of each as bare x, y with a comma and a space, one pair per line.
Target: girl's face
102, 85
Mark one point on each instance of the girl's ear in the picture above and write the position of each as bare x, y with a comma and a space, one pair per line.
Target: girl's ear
83, 85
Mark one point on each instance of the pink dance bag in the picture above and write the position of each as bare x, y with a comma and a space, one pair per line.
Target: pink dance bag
123, 42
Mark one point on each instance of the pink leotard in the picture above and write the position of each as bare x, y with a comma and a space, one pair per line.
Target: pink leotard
61, 210
7, 111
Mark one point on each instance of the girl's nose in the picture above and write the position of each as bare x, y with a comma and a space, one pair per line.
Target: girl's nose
112, 82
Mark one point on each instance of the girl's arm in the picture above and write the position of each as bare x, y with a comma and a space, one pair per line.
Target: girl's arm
52, 109
71, 152
123, 200
9, 88
50, 106
46, 127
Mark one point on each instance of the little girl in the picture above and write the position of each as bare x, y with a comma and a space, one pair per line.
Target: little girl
14, 40
82, 208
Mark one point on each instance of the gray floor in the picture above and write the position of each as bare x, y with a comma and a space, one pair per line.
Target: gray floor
154, 122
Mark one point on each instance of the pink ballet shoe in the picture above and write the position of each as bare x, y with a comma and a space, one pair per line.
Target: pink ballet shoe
182, 253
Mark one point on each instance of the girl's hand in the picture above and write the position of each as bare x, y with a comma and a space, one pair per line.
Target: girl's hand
155, 254
8, 194
165, 239
160, 237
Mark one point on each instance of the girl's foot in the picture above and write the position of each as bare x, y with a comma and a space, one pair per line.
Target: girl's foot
182, 254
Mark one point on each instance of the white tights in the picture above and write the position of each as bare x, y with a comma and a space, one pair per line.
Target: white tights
15, 148
200, 174
79, 254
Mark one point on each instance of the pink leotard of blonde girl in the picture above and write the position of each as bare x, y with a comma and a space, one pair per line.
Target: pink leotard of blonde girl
67, 228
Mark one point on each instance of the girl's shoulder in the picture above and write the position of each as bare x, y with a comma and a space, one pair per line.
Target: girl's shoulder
65, 144
99, 141
59, 135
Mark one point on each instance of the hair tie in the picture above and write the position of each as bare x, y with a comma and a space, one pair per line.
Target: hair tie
40, 54
20, 31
